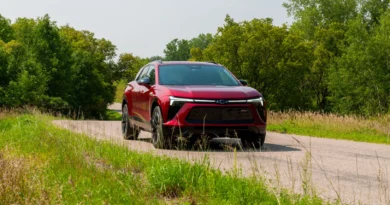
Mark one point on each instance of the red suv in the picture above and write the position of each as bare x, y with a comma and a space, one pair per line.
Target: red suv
189, 99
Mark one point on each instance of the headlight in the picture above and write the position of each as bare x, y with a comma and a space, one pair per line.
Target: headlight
173, 100
257, 100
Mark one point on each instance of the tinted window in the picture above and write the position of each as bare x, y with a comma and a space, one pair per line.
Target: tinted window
152, 75
193, 74
143, 73
139, 73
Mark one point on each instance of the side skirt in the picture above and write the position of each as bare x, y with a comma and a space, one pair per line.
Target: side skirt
142, 125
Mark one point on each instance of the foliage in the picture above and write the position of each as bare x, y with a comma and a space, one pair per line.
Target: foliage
349, 74
177, 50
155, 58
6, 32
128, 66
112, 115
333, 58
54, 68
183, 50
269, 57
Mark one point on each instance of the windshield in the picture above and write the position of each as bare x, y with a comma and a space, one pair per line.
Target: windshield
194, 74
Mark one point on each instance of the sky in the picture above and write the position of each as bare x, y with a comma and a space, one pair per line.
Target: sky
144, 27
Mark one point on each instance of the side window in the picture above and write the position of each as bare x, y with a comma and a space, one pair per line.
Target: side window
152, 74
142, 73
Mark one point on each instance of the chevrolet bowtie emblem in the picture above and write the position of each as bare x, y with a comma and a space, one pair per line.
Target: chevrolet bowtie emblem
222, 102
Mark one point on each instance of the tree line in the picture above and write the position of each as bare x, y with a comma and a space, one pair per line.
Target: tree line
54, 68
333, 58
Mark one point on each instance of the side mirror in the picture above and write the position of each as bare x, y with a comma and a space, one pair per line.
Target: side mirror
244, 82
144, 81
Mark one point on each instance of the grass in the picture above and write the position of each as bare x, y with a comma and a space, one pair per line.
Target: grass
41, 163
112, 115
374, 130
120, 88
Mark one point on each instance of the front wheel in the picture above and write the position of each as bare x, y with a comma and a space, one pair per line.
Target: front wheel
129, 132
254, 140
162, 138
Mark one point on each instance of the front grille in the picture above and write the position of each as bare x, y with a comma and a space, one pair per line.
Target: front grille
220, 115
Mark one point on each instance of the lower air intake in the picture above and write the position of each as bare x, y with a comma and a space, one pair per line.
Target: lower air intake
226, 115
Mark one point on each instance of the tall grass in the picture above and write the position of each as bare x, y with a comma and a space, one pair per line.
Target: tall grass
55, 166
375, 130
15, 184
120, 88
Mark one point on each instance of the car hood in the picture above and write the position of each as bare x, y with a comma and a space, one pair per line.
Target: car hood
214, 92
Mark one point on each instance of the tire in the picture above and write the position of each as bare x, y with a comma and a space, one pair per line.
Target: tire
254, 141
161, 136
129, 132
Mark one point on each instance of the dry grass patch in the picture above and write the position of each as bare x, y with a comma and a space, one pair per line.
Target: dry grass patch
17, 184
375, 129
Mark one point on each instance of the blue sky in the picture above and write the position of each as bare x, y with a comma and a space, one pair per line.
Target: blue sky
144, 27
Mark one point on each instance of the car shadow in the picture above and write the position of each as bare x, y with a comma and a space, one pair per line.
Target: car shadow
237, 146
232, 145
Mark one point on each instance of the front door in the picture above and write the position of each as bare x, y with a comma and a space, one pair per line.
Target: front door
135, 96
146, 94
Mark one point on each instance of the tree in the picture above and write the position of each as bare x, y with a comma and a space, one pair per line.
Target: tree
312, 14
202, 41
177, 50
6, 32
92, 65
372, 11
128, 66
196, 54
154, 58
182, 50
55, 68
360, 80
323, 23
348, 71
225, 46
273, 60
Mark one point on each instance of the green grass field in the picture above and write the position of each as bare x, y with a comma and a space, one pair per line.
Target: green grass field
112, 116
41, 163
120, 88
375, 130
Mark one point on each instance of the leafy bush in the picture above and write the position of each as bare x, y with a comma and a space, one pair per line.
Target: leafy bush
56, 68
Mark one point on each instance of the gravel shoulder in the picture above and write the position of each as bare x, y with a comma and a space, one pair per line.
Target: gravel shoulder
352, 171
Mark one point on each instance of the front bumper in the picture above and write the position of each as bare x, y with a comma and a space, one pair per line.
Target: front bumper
218, 117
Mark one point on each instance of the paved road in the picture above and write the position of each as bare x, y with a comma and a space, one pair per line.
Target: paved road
355, 172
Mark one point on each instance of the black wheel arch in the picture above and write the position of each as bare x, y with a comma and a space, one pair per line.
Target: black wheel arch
124, 100
154, 103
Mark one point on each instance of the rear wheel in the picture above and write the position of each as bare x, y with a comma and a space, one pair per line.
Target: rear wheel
162, 138
254, 140
129, 132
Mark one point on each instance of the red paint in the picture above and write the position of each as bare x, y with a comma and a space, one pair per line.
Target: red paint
140, 99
